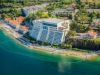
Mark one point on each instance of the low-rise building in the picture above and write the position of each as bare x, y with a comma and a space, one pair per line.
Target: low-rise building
14, 23
33, 9
73, 5
93, 10
63, 11
23, 29
7, 20
52, 30
89, 34
87, 0
19, 19
95, 23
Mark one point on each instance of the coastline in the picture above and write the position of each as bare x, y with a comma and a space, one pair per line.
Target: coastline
73, 53
82, 55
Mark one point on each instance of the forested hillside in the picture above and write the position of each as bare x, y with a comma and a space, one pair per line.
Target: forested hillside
20, 3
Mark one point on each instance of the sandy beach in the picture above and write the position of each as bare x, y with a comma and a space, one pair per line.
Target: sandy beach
82, 55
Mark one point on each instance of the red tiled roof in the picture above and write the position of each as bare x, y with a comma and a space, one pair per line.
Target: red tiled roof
24, 28
96, 22
14, 22
73, 4
20, 19
7, 19
91, 32
92, 22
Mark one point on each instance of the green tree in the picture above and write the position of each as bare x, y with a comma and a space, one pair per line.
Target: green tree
49, 13
70, 34
70, 16
98, 28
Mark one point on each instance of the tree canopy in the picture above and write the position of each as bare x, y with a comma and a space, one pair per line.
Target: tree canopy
71, 34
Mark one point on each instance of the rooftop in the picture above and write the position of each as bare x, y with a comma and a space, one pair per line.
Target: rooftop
20, 19
73, 4
93, 10
59, 10
24, 28
91, 32
52, 20
7, 19
87, 0
14, 22
96, 20
69, 9
36, 6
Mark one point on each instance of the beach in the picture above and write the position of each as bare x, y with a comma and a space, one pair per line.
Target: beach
82, 55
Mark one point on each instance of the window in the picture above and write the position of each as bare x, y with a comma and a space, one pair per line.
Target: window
45, 27
50, 24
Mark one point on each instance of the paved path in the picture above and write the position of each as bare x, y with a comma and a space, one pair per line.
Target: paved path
74, 14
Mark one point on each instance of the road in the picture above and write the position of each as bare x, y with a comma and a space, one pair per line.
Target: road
74, 14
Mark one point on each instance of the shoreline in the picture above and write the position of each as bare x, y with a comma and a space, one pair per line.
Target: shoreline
78, 54
70, 53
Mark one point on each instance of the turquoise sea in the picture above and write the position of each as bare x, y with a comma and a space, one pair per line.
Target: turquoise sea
16, 59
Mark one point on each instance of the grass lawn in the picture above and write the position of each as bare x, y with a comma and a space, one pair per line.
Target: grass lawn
97, 39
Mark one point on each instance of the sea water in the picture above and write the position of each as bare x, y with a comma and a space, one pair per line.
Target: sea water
16, 59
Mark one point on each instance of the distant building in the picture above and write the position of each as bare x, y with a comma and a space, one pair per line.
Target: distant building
93, 10
33, 9
64, 11
95, 23
89, 34
52, 30
73, 5
87, 0
23, 29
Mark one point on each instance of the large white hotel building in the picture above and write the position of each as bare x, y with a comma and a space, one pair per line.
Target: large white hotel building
52, 30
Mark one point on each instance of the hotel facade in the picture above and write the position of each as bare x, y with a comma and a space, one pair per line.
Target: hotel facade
52, 30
